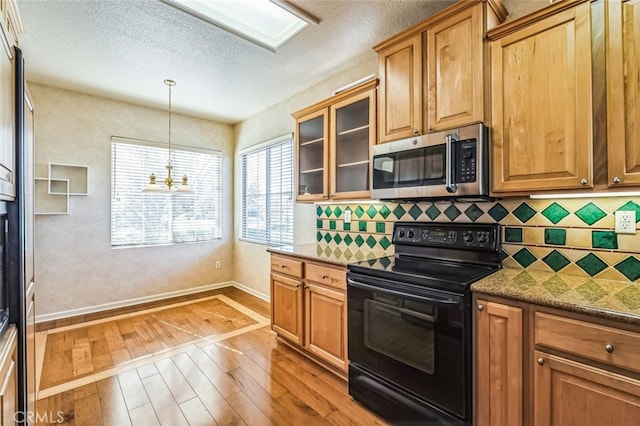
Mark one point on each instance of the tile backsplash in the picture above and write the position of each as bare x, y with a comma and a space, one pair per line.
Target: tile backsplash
574, 236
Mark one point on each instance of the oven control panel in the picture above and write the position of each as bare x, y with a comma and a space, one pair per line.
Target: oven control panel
449, 235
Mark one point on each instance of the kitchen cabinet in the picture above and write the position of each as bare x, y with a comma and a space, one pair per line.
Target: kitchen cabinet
400, 69
333, 140
574, 393
10, 21
8, 378
499, 392
573, 369
7, 120
432, 76
569, 388
623, 85
309, 309
455, 65
287, 299
326, 324
541, 96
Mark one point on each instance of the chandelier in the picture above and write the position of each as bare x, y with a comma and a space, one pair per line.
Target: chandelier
168, 182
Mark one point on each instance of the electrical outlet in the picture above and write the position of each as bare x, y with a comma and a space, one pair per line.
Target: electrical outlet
347, 216
626, 222
217, 264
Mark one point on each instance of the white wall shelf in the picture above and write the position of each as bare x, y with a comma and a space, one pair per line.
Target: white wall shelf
78, 177
51, 203
63, 180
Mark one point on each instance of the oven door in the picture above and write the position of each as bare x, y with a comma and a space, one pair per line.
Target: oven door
420, 343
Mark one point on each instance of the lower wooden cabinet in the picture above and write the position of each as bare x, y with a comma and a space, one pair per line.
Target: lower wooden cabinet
309, 309
8, 378
548, 367
499, 364
326, 324
567, 392
286, 308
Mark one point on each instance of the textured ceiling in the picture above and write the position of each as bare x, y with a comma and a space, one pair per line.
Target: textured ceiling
124, 49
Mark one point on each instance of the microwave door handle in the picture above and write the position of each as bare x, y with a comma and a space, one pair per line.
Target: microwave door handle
449, 184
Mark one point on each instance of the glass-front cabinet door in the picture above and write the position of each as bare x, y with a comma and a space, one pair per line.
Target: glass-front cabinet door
313, 156
353, 132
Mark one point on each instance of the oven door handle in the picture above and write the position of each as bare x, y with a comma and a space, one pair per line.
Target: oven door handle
446, 301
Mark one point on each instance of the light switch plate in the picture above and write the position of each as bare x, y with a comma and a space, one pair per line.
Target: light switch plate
347, 216
626, 222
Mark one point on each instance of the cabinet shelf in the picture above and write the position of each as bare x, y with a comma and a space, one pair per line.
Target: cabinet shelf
303, 172
355, 163
312, 142
356, 129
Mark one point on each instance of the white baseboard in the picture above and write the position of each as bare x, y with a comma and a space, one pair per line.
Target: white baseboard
251, 291
139, 300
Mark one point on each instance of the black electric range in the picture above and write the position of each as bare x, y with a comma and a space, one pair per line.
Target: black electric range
409, 322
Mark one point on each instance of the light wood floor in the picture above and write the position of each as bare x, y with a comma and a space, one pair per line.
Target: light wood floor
230, 370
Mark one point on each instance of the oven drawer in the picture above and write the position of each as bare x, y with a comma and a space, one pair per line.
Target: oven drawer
328, 276
609, 345
287, 266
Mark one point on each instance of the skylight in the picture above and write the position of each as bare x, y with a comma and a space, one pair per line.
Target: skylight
269, 23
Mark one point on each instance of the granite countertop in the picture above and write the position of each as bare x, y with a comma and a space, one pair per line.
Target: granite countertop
617, 300
325, 254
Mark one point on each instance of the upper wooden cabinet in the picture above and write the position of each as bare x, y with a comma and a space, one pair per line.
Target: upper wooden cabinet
432, 76
10, 21
333, 140
455, 91
623, 91
541, 101
7, 120
400, 68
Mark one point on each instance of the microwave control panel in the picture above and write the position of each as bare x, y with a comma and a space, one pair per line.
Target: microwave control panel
466, 160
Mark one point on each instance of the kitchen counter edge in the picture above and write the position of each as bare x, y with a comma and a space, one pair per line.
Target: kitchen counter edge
317, 253
608, 299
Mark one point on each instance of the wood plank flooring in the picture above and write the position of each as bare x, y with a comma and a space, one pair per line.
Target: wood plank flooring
247, 379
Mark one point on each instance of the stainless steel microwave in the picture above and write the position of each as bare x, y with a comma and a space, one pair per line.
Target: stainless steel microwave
444, 165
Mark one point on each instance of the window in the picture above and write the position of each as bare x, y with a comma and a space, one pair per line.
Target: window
267, 193
147, 218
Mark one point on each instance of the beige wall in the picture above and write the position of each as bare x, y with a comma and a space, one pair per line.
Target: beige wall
75, 264
252, 260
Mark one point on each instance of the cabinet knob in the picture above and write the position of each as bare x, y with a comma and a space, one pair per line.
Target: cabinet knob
332, 195
541, 361
416, 132
324, 277
324, 197
584, 181
283, 266
609, 348
481, 307
430, 129
616, 179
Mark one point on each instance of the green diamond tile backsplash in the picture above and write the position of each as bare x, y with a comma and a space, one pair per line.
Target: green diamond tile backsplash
573, 236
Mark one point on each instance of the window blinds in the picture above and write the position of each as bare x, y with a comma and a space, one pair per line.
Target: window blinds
267, 193
146, 218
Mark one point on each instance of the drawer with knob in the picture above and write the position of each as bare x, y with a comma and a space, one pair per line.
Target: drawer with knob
283, 265
328, 276
593, 341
